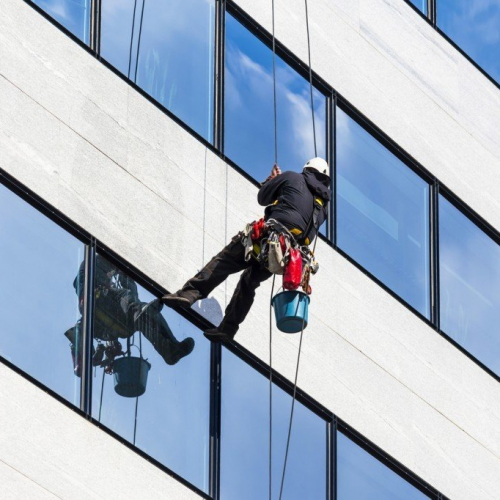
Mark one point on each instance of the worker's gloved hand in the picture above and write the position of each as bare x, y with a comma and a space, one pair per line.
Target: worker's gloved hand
276, 170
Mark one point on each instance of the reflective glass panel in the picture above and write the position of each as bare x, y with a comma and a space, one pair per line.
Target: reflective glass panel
74, 15
382, 213
39, 308
151, 376
469, 276
167, 49
248, 107
421, 5
245, 439
360, 476
474, 25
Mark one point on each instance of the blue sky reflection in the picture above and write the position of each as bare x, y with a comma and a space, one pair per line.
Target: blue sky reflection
469, 265
360, 476
38, 264
175, 54
249, 115
382, 213
72, 14
245, 439
474, 25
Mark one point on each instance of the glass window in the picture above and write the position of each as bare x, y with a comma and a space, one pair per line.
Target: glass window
361, 476
245, 439
39, 311
248, 107
382, 214
421, 5
469, 275
167, 49
151, 381
74, 15
474, 26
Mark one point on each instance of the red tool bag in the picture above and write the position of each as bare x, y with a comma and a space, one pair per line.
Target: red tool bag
293, 272
258, 229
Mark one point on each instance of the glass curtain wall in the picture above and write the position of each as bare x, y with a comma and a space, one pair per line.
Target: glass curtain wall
249, 107
245, 439
360, 476
74, 15
382, 214
167, 49
469, 277
151, 381
421, 5
40, 311
474, 25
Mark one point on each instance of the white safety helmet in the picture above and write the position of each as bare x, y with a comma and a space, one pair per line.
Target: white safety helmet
318, 164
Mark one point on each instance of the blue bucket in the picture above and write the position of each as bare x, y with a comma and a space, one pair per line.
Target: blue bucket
131, 376
291, 310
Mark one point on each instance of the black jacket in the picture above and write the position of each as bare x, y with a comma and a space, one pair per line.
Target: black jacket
295, 193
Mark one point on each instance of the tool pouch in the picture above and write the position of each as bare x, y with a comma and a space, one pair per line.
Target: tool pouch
247, 241
275, 257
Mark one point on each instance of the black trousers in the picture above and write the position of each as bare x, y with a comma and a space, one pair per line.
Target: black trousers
228, 261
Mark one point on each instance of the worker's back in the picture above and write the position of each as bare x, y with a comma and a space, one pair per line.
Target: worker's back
290, 198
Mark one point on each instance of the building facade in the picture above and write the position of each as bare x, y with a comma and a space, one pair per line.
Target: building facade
133, 136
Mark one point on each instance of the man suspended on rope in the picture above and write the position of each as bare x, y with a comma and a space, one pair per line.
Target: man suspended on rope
119, 313
297, 201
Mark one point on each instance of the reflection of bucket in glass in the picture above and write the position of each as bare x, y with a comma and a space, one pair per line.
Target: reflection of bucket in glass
291, 310
131, 376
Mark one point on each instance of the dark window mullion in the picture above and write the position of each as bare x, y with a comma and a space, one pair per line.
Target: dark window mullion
431, 11
219, 66
87, 329
332, 459
434, 252
215, 418
95, 26
333, 169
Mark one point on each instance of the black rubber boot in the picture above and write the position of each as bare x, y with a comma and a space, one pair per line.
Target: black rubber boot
175, 300
215, 335
177, 351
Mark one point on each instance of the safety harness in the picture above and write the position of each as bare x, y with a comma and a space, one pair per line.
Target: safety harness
280, 249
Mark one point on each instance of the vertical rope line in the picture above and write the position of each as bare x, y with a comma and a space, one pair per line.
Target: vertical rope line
271, 388
135, 421
310, 81
139, 42
292, 410
137, 397
274, 95
275, 116
314, 248
102, 391
131, 40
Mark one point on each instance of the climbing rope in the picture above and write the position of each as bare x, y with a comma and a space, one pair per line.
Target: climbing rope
137, 397
294, 395
274, 95
131, 40
271, 389
139, 41
310, 81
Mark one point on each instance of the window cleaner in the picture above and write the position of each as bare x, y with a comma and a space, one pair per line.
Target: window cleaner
296, 206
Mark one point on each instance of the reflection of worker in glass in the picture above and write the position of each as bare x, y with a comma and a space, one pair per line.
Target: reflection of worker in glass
119, 313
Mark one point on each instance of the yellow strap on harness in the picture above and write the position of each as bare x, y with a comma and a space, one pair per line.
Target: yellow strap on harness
297, 232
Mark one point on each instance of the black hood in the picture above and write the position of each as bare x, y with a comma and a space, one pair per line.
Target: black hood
318, 183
